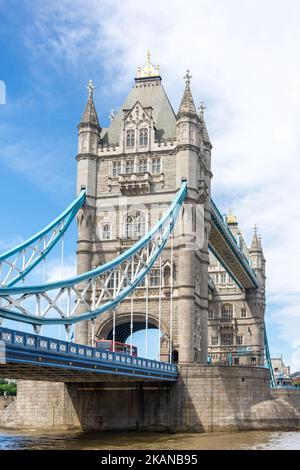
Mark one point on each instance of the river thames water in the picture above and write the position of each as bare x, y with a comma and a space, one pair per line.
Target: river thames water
258, 440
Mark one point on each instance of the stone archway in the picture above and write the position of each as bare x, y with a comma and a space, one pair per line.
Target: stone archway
123, 330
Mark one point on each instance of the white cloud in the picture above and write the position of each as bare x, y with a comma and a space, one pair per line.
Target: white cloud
54, 272
244, 58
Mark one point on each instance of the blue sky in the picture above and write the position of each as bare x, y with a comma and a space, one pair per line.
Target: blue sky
245, 67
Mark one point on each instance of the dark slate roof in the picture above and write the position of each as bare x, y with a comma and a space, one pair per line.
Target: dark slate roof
150, 93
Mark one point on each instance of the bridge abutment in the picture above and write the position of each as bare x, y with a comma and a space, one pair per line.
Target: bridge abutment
205, 399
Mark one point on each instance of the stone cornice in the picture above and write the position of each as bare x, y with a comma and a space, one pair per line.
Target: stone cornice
86, 156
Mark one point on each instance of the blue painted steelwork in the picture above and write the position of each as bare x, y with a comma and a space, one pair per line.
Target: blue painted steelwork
216, 254
218, 221
165, 224
273, 382
26, 348
67, 217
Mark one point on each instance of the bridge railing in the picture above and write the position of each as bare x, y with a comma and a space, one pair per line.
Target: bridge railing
29, 341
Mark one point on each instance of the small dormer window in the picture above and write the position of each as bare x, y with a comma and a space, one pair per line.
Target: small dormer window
143, 136
130, 138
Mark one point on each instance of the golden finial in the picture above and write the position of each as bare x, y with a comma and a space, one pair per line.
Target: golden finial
148, 60
230, 218
149, 70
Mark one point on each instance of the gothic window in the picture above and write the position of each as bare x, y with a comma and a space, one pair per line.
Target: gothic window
230, 280
227, 311
143, 136
240, 340
116, 168
154, 277
167, 276
156, 167
135, 225
142, 166
214, 341
223, 278
129, 167
130, 138
226, 339
243, 313
106, 232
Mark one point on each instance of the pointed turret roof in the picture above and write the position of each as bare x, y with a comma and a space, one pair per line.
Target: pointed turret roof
205, 135
261, 249
255, 245
89, 116
187, 106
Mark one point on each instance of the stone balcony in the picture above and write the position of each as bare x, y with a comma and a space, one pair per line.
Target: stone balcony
135, 183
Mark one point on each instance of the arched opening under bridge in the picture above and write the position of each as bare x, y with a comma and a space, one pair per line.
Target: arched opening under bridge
157, 340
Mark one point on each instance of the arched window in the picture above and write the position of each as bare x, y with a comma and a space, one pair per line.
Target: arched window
143, 136
130, 138
227, 311
135, 225
175, 356
106, 232
167, 276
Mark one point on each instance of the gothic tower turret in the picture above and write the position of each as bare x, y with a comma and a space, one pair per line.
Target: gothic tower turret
256, 299
88, 138
193, 252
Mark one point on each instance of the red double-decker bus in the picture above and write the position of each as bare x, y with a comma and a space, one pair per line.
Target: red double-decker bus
108, 344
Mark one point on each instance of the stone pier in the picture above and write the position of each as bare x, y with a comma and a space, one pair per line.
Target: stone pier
205, 399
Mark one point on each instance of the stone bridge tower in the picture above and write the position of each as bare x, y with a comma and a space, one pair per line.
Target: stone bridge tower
132, 171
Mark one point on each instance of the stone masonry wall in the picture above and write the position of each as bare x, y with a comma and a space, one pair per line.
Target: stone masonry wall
290, 395
205, 399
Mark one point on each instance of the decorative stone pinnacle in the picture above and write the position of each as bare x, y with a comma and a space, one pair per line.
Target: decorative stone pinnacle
201, 108
90, 88
255, 229
187, 77
112, 115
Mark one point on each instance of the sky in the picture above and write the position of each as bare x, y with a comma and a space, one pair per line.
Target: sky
244, 60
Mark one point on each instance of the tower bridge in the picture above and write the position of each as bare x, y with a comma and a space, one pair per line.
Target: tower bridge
153, 252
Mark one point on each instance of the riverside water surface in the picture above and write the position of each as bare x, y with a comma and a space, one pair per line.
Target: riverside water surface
149, 441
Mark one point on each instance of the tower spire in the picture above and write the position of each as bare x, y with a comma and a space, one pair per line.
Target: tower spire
89, 117
187, 106
255, 245
204, 131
